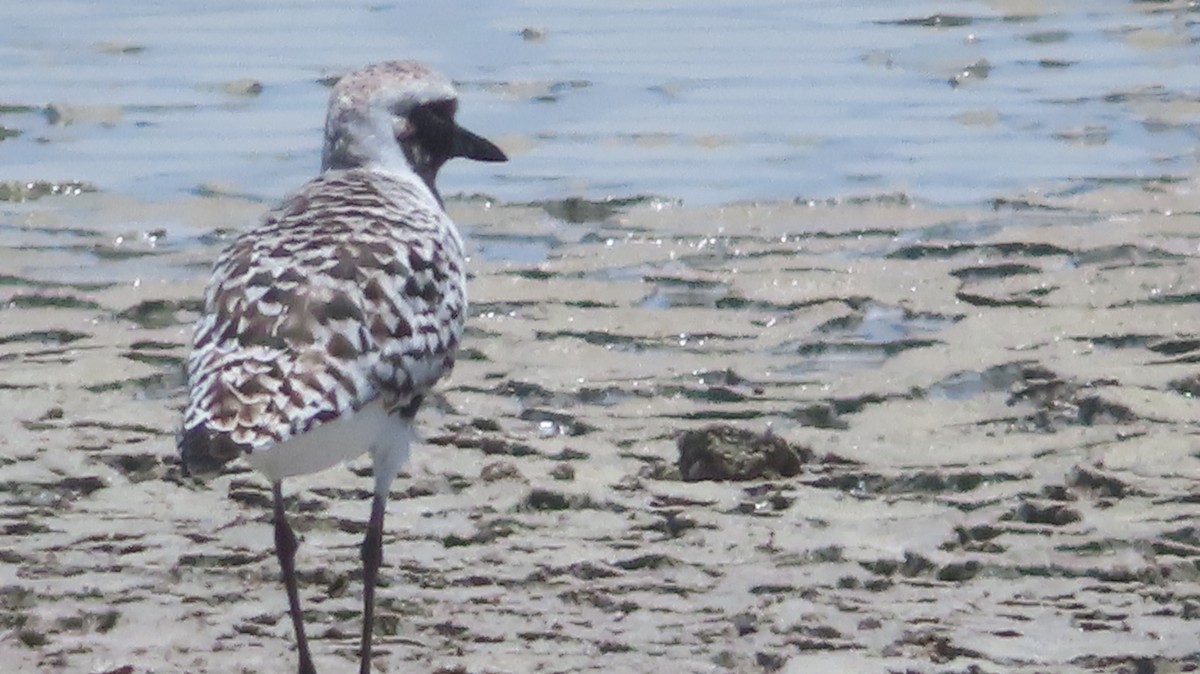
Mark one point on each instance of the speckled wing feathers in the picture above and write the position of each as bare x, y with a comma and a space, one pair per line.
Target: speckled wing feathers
351, 289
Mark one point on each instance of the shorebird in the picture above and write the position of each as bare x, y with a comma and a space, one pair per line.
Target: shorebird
324, 326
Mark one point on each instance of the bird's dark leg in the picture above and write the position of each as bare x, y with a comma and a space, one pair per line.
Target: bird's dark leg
372, 557
285, 549
386, 460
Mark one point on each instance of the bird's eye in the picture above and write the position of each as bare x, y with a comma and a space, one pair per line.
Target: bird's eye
434, 125
443, 109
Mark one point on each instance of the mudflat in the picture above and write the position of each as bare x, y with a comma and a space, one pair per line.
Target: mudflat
992, 409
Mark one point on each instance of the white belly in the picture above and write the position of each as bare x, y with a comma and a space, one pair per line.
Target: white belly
369, 429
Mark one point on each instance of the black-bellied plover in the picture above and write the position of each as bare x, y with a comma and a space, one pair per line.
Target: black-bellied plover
324, 326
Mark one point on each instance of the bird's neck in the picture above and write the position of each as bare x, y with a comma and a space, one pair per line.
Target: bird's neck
366, 144
353, 141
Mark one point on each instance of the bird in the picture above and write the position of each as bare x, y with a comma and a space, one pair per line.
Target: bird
324, 326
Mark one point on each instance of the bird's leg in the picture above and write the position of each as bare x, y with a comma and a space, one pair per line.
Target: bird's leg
372, 557
285, 549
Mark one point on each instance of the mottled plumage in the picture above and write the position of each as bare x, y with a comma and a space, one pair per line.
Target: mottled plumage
325, 325
351, 290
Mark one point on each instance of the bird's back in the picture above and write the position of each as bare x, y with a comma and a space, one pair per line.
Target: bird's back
351, 292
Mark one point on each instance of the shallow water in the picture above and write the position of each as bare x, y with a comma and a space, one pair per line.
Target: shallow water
702, 101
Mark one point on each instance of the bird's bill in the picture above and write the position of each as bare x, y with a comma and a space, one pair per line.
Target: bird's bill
471, 146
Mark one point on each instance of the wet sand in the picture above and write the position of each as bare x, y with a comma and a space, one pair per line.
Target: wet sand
984, 371
998, 403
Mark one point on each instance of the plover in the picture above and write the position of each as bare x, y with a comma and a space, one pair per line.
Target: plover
325, 325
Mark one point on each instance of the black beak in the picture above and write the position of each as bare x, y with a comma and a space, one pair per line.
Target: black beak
467, 144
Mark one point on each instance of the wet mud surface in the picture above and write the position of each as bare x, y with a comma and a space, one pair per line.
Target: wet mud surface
827, 434
865, 436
